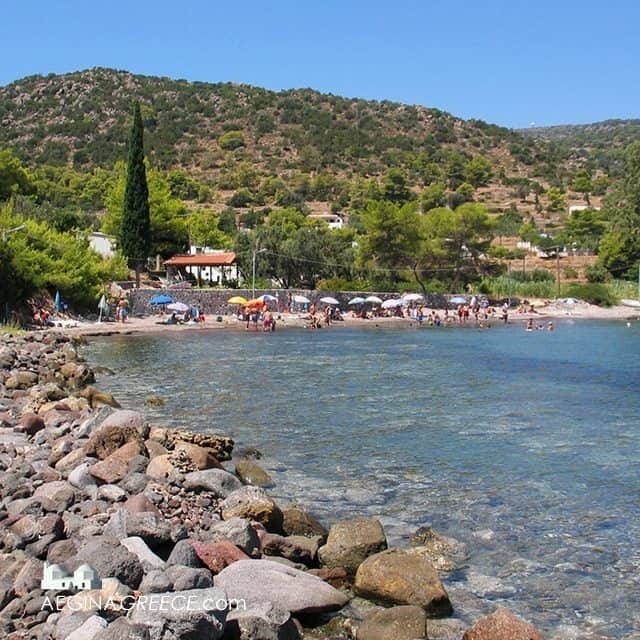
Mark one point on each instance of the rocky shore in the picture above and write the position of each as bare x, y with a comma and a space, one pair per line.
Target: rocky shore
165, 534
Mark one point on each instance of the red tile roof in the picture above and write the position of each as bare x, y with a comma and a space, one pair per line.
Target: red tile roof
203, 260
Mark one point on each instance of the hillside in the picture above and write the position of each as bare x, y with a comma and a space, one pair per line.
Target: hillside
235, 137
599, 144
80, 119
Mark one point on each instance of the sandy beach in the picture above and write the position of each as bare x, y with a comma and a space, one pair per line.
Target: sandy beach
153, 323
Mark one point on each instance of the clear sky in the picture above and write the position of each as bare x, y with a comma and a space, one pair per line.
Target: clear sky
505, 61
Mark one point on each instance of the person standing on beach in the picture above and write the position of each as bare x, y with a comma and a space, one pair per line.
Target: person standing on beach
122, 310
505, 312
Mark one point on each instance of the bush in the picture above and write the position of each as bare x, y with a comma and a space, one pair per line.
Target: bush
231, 140
594, 293
536, 275
570, 273
508, 287
596, 273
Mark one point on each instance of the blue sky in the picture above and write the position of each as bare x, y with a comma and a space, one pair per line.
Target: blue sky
504, 61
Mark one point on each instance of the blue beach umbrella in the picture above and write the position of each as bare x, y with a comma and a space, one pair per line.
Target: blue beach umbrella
57, 303
161, 299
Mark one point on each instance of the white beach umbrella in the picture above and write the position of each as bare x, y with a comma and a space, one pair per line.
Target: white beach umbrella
373, 299
392, 304
181, 307
356, 300
301, 299
412, 297
329, 300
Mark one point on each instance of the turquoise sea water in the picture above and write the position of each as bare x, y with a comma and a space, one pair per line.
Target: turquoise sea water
523, 446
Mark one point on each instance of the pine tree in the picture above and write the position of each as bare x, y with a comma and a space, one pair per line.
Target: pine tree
135, 232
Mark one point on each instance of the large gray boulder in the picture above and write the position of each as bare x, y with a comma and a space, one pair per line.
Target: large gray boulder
352, 541
153, 529
139, 548
263, 621
88, 629
260, 581
396, 623
401, 577
217, 481
182, 615
111, 560
121, 629
240, 532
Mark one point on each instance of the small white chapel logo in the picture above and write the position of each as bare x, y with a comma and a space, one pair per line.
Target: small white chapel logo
84, 577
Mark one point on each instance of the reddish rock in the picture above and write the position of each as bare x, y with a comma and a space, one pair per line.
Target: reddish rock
336, 576
129, 451
140, 504
502, 625
110, 470
31, 423
218, 555
109, 438
155, 449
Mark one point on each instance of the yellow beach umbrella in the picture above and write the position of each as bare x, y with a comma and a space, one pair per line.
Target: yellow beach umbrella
237, 300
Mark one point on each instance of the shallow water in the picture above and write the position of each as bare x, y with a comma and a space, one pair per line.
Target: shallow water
524, 446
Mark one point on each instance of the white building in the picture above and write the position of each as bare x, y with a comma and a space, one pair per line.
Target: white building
55, 577
214, 266
333, 220
103, 244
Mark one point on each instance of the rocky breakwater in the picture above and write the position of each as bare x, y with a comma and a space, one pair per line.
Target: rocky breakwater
112, 528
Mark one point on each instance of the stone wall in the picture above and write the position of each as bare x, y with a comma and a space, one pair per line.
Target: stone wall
214, 301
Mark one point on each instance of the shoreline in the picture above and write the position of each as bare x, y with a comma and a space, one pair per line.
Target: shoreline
151, 325
104, 486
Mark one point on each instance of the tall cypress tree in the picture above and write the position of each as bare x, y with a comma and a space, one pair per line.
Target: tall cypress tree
135, 232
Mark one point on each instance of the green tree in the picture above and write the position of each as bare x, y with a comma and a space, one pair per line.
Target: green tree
556, 200
477, 171
583, 184
204, 230
619, 250
394, 187
135, 232
14, 178
169, 233
433, 196
391, 236
584, 229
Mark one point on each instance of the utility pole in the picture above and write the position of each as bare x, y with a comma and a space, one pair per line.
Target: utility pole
558, 270
253, 269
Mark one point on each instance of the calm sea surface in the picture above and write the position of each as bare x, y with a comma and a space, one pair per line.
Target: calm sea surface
523, 446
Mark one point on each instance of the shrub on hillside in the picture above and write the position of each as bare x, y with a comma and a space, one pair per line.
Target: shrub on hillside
594, 293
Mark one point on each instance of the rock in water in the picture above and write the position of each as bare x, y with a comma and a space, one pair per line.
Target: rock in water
182, 615
351, 542
400, 577
260, 581
218, 481
251, 473
253, 503
397, 623
502, 625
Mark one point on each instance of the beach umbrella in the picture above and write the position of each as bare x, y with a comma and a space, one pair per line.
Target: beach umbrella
256, 302
178, 306
103, 307
161, 299
412, 297
57, 303
356, 300
329, 300
392, 304
301, 299
237, 300
267, 298
373, 299
458, 300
